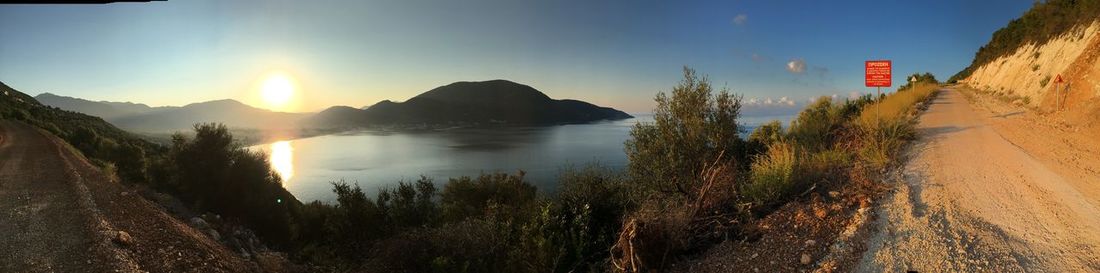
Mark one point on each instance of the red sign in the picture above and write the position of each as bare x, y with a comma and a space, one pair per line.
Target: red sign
877, 73
1059, 79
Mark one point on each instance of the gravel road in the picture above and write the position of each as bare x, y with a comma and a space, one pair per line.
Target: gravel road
979, 196
58, 213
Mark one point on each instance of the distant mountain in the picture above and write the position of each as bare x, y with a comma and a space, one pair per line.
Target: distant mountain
103, 109
465, 103
142, 118
19, 106
233, 114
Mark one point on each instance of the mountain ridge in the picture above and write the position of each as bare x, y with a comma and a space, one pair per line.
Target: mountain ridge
500, 102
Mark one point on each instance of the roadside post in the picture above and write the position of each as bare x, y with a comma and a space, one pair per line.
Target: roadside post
877, 74
1061, 94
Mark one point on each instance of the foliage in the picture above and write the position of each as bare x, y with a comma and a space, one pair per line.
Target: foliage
464, 197
773, 175
817, 125
213, 173
692, 124
918, 78
1044, 21
885, 126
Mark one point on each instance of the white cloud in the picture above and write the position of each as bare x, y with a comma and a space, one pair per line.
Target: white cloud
796, 66
740, 19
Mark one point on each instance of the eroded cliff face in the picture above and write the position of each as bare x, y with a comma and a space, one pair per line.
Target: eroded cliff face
1032, 70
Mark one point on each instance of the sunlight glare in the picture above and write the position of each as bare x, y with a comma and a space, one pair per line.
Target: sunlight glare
282, 159
277, 90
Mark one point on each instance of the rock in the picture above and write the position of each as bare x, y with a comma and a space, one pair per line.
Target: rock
834, 194
214, 234
805, 258
810, 242
123, 238
199, 223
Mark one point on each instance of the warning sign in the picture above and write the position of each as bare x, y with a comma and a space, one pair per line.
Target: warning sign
877, 73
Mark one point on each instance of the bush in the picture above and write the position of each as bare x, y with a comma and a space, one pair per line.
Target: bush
213, 173
765, 135
573, 232
883, 142
692, 124
490, 193
773, 175
817, 126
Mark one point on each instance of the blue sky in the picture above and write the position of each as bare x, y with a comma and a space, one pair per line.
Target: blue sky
356, 53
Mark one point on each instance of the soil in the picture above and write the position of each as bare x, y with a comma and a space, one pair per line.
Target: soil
991, 187
59, 213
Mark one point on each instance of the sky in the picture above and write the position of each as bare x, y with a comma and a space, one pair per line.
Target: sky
356, 53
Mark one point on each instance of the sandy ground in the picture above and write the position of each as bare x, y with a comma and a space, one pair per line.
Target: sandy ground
58, 213
990, 187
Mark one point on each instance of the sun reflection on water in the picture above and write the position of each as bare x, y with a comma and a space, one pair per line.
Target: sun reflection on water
282, 159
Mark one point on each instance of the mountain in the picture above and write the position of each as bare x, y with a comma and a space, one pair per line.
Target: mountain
103, 109
465, 103
19, 106
143, 118
233, 114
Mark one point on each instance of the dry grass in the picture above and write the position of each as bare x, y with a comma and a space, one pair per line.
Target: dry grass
896, 106
887, 125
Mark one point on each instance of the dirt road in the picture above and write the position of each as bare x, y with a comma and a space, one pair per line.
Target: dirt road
58, 213
988, 188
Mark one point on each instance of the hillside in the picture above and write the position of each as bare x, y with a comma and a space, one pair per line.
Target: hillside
143, 118
464, 103
1024, 58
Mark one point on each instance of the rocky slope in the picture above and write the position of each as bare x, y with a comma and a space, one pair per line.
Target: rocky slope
1031, 71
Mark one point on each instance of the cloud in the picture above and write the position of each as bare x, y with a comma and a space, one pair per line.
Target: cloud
796, 66
757, 58
740, 19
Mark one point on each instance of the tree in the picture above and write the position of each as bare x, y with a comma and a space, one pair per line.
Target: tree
694, 125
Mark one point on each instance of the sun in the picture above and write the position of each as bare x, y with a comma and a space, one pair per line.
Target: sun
277, 91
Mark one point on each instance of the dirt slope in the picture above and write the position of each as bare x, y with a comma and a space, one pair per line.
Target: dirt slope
1030, 71
58, 213
990, 189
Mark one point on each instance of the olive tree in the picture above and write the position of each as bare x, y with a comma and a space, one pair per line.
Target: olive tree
692, 125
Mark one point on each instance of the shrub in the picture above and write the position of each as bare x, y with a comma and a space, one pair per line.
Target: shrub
772, 176
490, 193
213, 173
816, 127
1044, 81
882, 142
573, 232
766, 134
692, 124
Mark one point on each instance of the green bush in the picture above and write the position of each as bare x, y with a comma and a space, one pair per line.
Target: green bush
464, 197
817, 126
691, 125
772, 175
882, 143
213, 173
766, 134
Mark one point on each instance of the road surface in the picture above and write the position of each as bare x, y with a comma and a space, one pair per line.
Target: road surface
58, 213
977, 195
